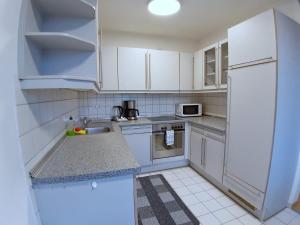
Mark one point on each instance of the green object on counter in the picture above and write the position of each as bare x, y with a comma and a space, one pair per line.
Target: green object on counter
70, 133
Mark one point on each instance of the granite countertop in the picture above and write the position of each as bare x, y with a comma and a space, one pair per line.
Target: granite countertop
87, 157
215, 123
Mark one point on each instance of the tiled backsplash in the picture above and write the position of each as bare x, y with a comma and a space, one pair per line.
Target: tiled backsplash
100, 105
41, 117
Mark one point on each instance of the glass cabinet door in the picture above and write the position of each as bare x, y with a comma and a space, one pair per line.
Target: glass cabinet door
210, 67
223, 65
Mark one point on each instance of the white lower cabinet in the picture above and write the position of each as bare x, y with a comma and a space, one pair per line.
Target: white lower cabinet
196, 147
139, 141
214, 156
207, 152
90, 202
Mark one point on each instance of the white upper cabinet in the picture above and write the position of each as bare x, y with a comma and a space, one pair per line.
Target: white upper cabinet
210, 67
110, 80
186, 71
253, 40
164, 70
223, 64
132, 69
198, 70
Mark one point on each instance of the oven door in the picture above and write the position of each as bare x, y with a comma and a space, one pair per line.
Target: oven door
161, 150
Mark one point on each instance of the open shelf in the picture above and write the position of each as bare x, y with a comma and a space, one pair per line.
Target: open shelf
59, 41
58, 81
66, 8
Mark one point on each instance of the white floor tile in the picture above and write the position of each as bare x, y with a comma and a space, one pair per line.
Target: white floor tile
236, 211
187, 181
285, 217
215, 193
223, 216
273, 221
190, 200
203, 196
295, 221
192, 173
198, 179
170, 177
198, 209
207, 186
212, 205
292, 212
233, 222
176, 184
181, 175
225, 201
249, 220
195, 188
182, 191
208, 219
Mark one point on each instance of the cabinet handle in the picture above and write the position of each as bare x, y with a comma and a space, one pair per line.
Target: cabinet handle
146, 71
151, 148
149, 81
193, 87
204, 155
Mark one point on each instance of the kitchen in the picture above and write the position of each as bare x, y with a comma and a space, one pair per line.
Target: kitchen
186, 128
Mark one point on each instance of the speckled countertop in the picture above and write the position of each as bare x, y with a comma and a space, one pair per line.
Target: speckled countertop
87, 157
98, 156
215, 123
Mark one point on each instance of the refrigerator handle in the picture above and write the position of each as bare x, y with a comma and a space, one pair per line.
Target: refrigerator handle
229, 86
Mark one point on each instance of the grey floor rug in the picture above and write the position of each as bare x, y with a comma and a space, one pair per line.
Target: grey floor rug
158, 203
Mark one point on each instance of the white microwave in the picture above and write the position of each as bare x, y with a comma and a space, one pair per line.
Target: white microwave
187, 110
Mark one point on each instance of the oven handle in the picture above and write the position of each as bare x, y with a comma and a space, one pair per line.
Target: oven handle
163, 132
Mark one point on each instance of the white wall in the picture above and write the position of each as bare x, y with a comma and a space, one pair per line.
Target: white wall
16, 207
115, 38
291, 9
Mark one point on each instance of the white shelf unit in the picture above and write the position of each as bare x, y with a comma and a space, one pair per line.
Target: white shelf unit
58, 45
59, 41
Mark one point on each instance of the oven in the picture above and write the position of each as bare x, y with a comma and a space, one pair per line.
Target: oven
160, 149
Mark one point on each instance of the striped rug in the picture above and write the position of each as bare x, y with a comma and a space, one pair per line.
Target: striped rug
158, 203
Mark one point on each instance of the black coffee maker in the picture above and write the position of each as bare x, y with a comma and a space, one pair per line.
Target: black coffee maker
130, 112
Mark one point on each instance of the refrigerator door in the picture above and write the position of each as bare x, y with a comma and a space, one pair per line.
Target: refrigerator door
253, 40
252, 95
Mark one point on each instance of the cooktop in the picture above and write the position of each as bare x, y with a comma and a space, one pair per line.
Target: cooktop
163, 118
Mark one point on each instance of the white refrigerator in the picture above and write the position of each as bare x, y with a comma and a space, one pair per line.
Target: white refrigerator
263, 112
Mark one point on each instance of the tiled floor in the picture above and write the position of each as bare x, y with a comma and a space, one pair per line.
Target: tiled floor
211, 206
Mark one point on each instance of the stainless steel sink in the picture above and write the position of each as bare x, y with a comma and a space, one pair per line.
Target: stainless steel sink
99, 127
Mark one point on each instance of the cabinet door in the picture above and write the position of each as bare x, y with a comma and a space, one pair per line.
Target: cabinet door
196, 148
109, 65
140, 144
210, 67
214, 157
186, 71
223, 64
132, 69
164, 70
249, 142
253, 40
198, 70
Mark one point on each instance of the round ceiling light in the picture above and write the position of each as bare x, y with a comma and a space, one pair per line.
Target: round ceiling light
164, 7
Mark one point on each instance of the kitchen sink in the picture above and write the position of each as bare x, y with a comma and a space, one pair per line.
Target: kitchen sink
99, 127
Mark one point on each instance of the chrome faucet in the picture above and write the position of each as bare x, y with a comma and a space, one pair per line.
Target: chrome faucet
85, 122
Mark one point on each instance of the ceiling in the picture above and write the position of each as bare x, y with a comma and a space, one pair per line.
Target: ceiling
197, 18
